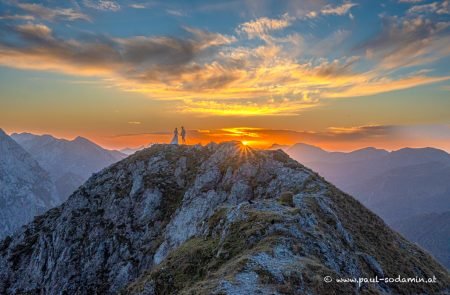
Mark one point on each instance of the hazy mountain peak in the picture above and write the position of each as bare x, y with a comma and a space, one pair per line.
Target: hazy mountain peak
425, 150
218, 219
83, 140
69, 162
307, 146
276, 146
25, 188
369, 149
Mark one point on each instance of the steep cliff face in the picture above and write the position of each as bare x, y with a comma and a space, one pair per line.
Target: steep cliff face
219, 219
25, 188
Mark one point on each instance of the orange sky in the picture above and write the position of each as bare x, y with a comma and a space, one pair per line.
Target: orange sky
340, 75
333, 139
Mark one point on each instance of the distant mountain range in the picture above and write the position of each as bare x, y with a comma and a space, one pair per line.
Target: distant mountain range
398, 186
69, 162
38, 172
129, 151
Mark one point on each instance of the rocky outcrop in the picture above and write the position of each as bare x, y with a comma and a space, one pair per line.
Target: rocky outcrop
219, 219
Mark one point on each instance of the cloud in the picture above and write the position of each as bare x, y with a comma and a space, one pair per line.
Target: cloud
212, 74
336, 67
138, 5
265, 137
147, 60
134, 123
408, 41
382, 85
326, 10
337, 10
201, 70
333, 138
410, 1
245, 108
104, 5
35, 31
434, 7
46, 13
175, 12
17, 17
264, 25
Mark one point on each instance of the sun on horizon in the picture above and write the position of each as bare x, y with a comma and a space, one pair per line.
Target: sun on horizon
337, 74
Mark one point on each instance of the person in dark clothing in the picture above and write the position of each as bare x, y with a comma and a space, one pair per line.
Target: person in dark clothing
183, 135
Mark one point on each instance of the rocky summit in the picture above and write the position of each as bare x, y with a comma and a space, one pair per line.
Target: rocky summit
218, 219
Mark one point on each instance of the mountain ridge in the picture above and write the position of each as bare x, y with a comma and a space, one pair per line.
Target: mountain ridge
69, 162
223, 218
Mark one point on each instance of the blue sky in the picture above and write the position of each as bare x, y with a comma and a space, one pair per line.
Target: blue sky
308, 66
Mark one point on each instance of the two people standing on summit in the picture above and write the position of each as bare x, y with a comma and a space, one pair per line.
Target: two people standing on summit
175, 136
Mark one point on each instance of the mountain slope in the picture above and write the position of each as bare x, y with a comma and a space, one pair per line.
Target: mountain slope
69, 162
220, 219
430, 231
408, 191
25, 188
396, 185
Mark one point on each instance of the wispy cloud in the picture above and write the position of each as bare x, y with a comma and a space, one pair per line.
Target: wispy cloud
381, 85
175, 12
442, 7
264, 25
327, 10
138, 5
105, 5
410, 1
216, 74
245, 108
203, 70
337, 10
17, 17
408, 41
333, 138
38, 10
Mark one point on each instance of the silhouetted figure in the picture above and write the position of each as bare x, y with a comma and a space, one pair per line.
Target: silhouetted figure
175, 137
183, 135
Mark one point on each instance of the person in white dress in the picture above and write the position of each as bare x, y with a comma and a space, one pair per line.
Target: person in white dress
175, 137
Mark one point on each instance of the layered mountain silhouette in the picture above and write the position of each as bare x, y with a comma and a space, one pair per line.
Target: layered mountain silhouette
400, 185
396, 185
26, 189
69, 162
218, 219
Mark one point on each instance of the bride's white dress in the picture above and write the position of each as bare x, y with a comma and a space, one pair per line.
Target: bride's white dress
175, 137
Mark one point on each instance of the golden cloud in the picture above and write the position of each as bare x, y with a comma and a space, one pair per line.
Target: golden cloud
208, 72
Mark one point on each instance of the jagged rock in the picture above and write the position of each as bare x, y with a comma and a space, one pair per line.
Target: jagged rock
219, 219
